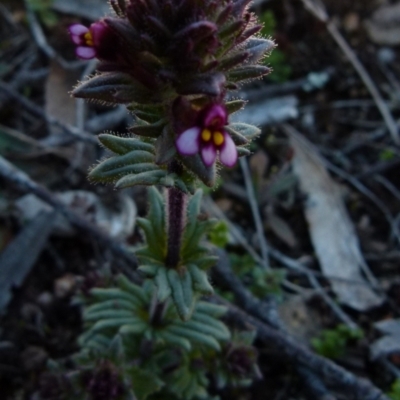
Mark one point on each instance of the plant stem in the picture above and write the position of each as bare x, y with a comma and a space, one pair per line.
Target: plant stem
176, 215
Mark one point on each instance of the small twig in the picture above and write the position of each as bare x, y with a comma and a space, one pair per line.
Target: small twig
378, 168
33, 108
318, 10
256, 213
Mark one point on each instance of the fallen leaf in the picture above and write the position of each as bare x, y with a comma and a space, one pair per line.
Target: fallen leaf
21, 254
386, 345
332, 232
389, 327
59, 103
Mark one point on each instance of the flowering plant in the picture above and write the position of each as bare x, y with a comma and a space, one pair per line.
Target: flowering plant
173, 63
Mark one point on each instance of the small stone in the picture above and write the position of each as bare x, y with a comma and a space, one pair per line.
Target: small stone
351, 22
45, 299
65, 286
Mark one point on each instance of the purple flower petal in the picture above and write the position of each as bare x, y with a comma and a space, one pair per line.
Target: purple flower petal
188, 141
86, 53
228, 154
208, 155
76, 31
216, 112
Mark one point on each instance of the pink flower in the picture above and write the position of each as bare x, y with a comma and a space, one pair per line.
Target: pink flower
90, 40
208, 137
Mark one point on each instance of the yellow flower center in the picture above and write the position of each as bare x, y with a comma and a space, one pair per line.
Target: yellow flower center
218, 138
206, 135
88, 39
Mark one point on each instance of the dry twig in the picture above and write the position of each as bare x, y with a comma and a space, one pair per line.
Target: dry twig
317, 8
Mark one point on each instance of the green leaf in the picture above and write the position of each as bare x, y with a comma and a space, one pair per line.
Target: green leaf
129, 287
112, 87
258, 47
155, 245
196, 165
214, 310
153, 130
148, 178
106, 314
163, 285
149, 270
206, 262
144, 383
235, 106
200, 280
198, 337
219, 235
182, 292
99, 174
248, 72
156, 214
124, 145
177, 340
165, 147
243, 152
114, 294
114, 304
218, 331
244, 130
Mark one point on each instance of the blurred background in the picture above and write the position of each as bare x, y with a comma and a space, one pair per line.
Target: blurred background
310, 221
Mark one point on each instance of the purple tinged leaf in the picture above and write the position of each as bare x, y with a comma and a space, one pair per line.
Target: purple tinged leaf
257, 48
234, 60
239, 7
112, 87
210, 84
196, 31
248, 72
224, 15
231, 29
248, 33
158, 27
125, 31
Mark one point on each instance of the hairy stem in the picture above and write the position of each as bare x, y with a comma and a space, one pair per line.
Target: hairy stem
176, 215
